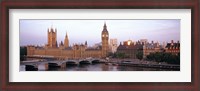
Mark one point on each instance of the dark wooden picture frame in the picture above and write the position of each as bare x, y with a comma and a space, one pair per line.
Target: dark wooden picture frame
100, 4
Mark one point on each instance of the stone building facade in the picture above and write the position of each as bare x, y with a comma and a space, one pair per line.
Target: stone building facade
113, 45
151, 48
173, 47
130, 48
77, 51
52, 38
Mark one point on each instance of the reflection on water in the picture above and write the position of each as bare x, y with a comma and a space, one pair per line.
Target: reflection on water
95, 67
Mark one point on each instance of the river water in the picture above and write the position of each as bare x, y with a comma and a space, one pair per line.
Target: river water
97, 67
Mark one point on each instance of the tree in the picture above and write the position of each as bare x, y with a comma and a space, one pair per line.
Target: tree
164, 57
110, 54
158, 56
114, 55
121, 55
150, 57
139, 55
23, 52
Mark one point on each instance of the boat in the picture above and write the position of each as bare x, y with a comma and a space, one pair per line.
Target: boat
115, 64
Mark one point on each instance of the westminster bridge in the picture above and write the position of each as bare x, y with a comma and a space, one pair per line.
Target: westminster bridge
36, 62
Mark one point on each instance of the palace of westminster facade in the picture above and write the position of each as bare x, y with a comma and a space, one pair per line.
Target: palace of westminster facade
66, 52
78, 51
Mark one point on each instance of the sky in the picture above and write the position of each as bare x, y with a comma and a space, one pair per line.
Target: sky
34, 32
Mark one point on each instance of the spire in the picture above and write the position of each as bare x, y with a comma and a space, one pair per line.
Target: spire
105, 27
56, 44
56, 30
51, 29
66, 35
61, 43
66, 42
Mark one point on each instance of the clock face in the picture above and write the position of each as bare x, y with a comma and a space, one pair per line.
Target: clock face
104, 35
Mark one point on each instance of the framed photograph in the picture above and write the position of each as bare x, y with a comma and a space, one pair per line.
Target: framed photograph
100, 45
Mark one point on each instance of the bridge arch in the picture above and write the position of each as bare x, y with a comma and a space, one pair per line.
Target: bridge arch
72, 63
84, 62
95, 61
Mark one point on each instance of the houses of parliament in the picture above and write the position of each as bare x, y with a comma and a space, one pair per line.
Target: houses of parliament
75, 51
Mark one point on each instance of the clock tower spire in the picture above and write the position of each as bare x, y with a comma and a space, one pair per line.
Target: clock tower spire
105, 37
66, 42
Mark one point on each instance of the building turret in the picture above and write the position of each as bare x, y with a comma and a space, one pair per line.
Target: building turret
105, 38
52, 38
66, 42
61, 46
56, 43
86, 44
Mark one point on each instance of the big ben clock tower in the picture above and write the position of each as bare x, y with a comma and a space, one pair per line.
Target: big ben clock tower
105, 37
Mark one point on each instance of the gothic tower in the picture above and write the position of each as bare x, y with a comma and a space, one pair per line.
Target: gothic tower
105, 37
66, 42
52, 38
